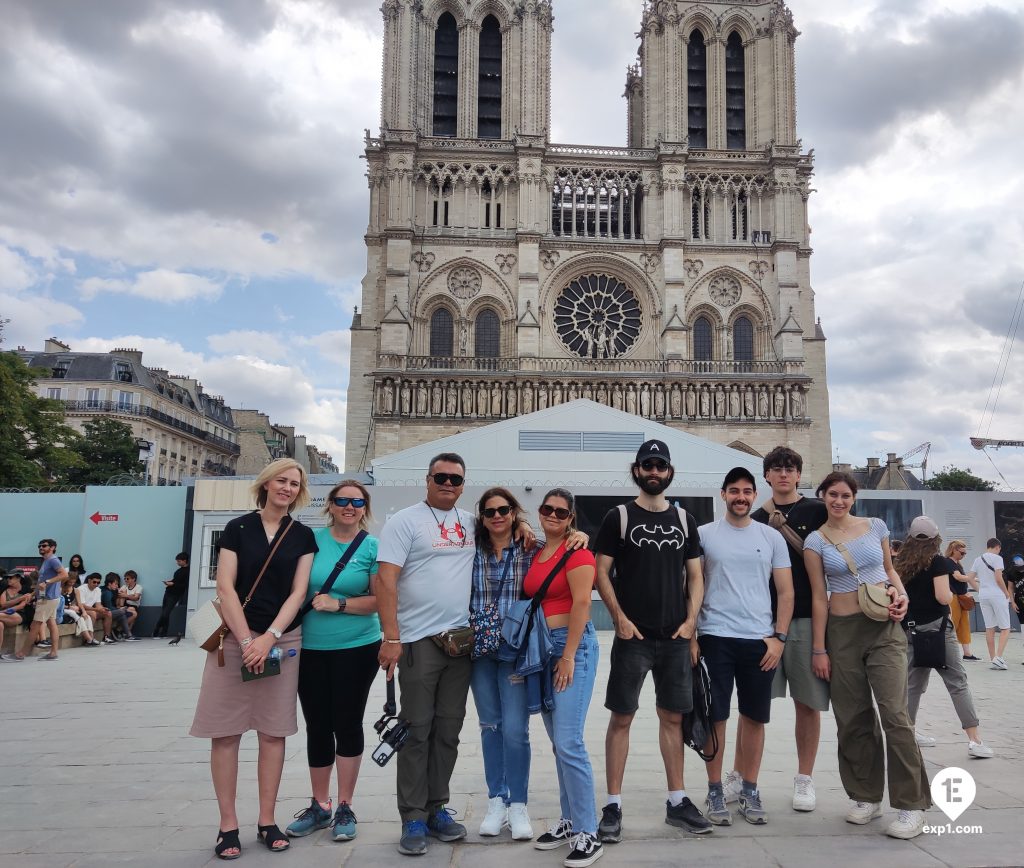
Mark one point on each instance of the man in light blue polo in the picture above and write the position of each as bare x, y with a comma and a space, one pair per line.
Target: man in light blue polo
51, 574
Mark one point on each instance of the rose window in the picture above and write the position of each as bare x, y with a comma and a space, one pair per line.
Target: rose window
464, 282
597, 317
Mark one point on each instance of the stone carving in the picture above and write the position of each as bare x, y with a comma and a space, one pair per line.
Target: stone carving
725, 291
588, 391
496, 400
796, 403
421, 398
482, 404
406, 394
691, 402
467, 399
659, 401
451, 400
758, 268
779, 403
602, 394
597, 317
705, 402
542, 397
510, 399
464, 282
719, 402
649, 261
463, 337
734, 402
693, 267
436, 399
423, 261
387, 399
549, 258
748, 403
762, 403
617, 397
527, 397
645, 401
572, 393
631, 399
505, 263
556, 395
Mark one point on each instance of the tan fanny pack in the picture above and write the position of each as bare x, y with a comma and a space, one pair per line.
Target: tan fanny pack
872, 599
455, 643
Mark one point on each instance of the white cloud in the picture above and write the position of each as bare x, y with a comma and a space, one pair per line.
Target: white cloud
161, 284
266, 345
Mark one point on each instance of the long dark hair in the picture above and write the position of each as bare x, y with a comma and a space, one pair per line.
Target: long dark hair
79, 569
483, 535
567, 496
915, 555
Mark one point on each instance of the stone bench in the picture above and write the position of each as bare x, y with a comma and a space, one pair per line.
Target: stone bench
17, 635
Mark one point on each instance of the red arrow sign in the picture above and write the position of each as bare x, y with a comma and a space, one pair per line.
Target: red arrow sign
97, 517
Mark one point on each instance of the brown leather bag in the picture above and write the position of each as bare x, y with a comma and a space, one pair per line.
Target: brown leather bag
872, 599
966, 602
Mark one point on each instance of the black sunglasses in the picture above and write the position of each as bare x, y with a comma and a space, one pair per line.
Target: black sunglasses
442, 478
491, 511
357, 502
654, 464
559, 512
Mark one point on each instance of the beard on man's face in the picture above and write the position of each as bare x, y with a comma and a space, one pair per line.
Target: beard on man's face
653, 484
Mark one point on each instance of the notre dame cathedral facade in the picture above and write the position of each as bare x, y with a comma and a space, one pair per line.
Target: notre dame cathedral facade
506, 274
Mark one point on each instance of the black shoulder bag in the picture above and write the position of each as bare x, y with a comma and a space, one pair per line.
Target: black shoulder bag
338, 567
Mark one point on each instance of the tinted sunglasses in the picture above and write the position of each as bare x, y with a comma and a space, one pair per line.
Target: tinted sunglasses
357, 502
654, 464
559, 512
454, 478
491, 511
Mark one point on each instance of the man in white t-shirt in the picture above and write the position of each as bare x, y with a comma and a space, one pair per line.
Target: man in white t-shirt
737, 636
426, 554
994, 596
130, 596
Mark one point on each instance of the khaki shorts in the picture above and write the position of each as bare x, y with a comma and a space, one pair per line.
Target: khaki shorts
45, 610
795, 669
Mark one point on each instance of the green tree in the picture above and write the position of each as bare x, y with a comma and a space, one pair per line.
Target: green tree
952, 478
33, 435
106, 449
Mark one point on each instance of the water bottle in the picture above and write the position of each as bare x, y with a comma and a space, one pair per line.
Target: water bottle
276, 653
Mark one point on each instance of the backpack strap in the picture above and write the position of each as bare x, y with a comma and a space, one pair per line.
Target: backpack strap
623, 521
777, 520
682, 520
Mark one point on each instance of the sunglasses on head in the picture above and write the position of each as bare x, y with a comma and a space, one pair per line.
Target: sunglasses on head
559, 512
357, 502
654, 464
491, 511
454, 478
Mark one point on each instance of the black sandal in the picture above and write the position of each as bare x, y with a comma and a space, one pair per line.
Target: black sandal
271, 835
228, 841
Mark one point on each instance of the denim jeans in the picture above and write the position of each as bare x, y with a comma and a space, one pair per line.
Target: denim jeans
564, 724
500, 700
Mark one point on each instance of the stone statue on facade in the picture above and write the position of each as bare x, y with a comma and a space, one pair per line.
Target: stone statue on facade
617, 397
645, 401
796, 403
542, 396
779, 402
602, 394
406, 396
421, 398
436, 399
482, 404
631, 399
387, 399
719, 403
705, 402
527, 397
691, 402
451, 400
676, 403
496, 400
748, 403
556, 395
573, 393
762, 403
588, 391
467, 399
734, 402
510, 399
659, 401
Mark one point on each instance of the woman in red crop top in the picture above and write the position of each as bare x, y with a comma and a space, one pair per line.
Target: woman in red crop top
566, 607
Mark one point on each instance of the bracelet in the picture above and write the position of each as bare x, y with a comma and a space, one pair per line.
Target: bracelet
393, 641
818, 653
568, 660
248, 640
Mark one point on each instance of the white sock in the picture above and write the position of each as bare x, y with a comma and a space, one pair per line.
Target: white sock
614, 800
675, 797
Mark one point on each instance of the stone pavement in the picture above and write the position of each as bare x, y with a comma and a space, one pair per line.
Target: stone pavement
97, 769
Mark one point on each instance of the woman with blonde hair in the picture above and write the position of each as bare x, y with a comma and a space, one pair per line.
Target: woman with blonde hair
925, 576
960, 583
262, 575
340, 643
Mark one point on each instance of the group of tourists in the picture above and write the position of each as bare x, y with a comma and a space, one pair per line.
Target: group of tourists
800, 597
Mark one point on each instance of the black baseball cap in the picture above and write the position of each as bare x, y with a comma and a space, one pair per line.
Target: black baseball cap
653, 449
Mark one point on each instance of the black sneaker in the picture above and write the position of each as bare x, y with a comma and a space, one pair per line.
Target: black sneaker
586, 850
609, 830
687, 816
555, 837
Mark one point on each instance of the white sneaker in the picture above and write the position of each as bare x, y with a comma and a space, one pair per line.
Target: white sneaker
999, 663
862, 813
804, 798
496, 819
519, 822
908, 824
978, 750
732, 786
924, 740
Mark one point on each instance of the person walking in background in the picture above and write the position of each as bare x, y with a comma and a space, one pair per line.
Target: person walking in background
262, 576
741, 641
175, 591
924, 575
47, 597
960, 584
994, 599
866, 662
566, 608
653, 600
340, 644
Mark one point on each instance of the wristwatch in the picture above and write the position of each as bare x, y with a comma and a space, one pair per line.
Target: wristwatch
275, 633
341, 606
781, 637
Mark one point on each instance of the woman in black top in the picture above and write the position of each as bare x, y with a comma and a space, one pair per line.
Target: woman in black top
925, 575
960, 583
229, 706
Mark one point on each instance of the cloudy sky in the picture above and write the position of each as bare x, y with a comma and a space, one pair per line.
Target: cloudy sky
183, 176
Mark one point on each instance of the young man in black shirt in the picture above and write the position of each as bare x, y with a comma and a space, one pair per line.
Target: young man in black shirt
653, 600
791, 513
176, 591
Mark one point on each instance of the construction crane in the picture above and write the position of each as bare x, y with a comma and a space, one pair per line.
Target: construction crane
982, 443
922, 450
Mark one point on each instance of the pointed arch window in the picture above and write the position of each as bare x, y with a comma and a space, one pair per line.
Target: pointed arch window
735, 94
740, 212
446, 76
702, 346
743, 339
442, 333
697, 90
488, 114
487, 335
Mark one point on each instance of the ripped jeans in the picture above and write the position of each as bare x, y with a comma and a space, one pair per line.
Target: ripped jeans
504, 728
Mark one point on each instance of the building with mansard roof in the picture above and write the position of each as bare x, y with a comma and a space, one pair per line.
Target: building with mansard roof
506, 273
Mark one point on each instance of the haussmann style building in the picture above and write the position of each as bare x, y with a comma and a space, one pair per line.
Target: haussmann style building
507, 274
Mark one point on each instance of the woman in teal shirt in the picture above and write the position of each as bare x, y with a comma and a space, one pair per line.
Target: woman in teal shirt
340, 642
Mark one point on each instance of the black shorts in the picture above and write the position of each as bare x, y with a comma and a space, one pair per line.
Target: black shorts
738, 660
632, 659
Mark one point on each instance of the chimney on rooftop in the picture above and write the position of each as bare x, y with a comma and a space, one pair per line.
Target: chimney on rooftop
873, 464
55, 346
128, 353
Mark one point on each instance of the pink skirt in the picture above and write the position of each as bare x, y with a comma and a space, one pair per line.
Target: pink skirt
229, 706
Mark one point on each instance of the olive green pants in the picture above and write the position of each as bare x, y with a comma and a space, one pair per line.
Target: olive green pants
869, 659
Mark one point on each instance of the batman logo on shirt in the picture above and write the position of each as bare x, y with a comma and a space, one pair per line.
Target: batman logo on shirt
644, 535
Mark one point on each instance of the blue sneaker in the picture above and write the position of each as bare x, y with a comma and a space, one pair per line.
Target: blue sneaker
344, 823
443, 827
309, 820
414, 838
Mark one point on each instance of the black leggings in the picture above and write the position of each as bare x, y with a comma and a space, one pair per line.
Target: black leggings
333, 689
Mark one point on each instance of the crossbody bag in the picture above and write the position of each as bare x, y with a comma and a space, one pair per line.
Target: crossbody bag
872, 599
346, 556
